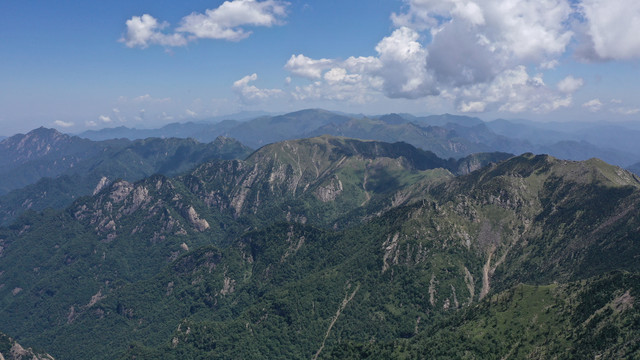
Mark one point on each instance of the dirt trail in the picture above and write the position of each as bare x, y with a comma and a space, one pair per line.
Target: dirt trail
343, 305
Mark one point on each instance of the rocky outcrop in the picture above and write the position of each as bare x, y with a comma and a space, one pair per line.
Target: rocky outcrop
11, 350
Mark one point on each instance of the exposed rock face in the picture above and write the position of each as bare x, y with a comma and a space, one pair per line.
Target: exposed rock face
120, 190
17, 352
330, 191
101, 185
195, 220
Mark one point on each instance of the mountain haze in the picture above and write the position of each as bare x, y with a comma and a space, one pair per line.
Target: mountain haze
446, 135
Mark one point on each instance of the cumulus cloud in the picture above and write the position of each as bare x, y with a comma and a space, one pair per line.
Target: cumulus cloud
512, 91
570, 84
145, 30
64, 124
593, 105
104, 118
191, 113
404, 66
226, 22
300, 65
467, 51
550, 64
90, 123
252, 94
625, 110
399, 71
150, 99
610, 30
524, 29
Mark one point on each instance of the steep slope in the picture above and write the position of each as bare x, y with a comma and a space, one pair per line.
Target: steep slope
297, 291
592, 318
326, 241
133, 162
127, 232
11, 350
471, 237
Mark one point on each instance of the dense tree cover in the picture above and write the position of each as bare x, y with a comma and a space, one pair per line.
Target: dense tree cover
297, 253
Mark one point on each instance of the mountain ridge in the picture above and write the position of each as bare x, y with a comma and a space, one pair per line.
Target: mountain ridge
287, 248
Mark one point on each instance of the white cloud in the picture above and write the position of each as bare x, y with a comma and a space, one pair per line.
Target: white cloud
473, 53
550, 64
141, 115
404, 66
90, 123
166, 117
512, 91
300, 65
524, 29
626, 111
150, 99
616, 101
145, 30
476, 47
251, 93
64, 124
226, 22
191, 113
399, 71
104, 118
593, 105
610, 29
570, 84
472, 106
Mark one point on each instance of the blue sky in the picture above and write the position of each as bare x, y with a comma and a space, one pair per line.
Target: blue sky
78, 65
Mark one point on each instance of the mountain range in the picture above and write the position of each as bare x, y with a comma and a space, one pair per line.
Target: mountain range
45, 168
333, 247
446, 135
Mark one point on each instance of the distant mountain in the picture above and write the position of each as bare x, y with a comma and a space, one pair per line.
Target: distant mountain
582, 150
265, 130
444, 119
25, 158
254, 133
201, 131
136, 160
531, 132
446, 135
635, 168
443, 142
575, 141
239, 116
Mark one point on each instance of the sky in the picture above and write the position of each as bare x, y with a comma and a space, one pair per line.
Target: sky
80, 65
